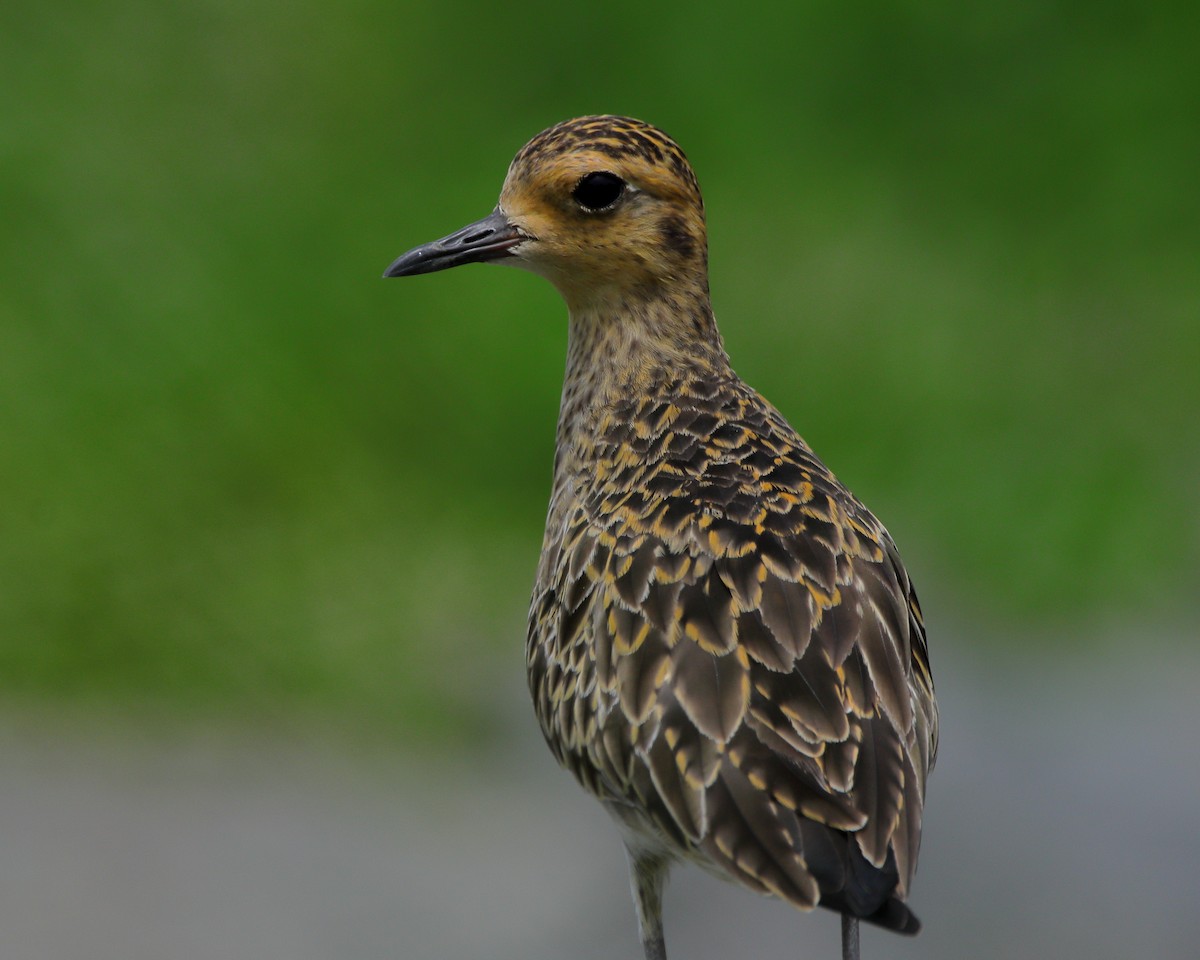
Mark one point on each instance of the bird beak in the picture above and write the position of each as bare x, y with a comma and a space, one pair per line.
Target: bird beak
491, 238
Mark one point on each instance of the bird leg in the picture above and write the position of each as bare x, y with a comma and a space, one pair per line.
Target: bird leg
849, 937
648, 874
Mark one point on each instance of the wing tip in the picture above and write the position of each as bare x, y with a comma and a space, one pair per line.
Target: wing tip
894, 915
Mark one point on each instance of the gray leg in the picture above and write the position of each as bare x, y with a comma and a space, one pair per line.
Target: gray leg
849, 937
648, 874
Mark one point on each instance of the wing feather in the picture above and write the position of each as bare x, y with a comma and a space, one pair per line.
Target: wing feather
760, 695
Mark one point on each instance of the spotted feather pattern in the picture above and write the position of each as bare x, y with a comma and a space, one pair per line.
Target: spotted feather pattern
724, 647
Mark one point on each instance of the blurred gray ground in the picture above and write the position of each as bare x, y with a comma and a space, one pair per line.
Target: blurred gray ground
1063, 821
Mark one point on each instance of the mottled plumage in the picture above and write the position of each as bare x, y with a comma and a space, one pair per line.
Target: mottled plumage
723, 645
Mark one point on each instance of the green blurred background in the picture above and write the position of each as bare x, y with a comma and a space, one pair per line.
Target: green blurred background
244, 477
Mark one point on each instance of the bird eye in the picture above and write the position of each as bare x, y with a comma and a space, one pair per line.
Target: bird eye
598, 190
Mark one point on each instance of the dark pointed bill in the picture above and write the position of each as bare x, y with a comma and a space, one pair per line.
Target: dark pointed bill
491, 238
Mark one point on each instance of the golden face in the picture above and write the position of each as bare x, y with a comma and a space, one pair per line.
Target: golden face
600, 225
603, 207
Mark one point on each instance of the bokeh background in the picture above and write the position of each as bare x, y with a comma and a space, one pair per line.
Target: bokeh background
269, 523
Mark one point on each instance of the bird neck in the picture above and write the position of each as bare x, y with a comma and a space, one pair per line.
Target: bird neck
635, 347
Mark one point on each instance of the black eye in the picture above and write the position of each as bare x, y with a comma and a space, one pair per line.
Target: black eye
598, 190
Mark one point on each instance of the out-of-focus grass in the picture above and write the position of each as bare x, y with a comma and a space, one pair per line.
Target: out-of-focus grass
959, 249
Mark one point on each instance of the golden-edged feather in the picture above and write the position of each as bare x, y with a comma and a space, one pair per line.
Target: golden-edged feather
725, 648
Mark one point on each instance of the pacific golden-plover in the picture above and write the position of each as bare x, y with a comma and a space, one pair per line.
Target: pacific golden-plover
724, 647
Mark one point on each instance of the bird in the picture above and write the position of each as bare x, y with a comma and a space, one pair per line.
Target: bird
724, 646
